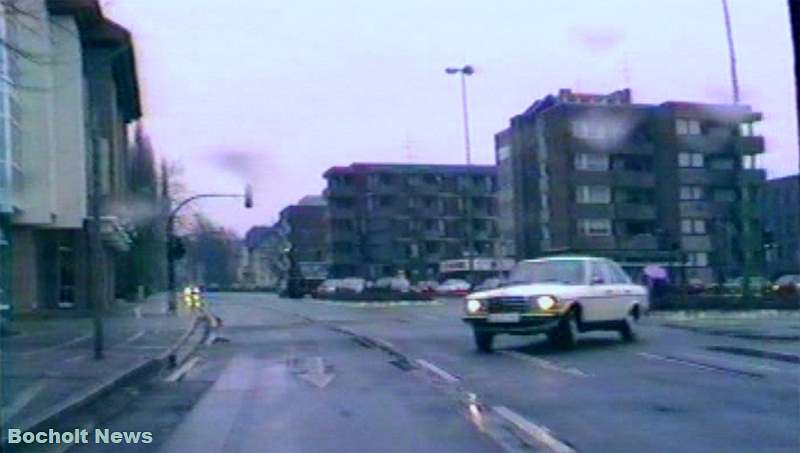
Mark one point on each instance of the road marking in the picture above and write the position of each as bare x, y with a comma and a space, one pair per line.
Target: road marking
732, 363
76, 358
537, 432
312, 370
22, 400
180, 372
134, 337
58, 346
698, 365
546, 364
442, 374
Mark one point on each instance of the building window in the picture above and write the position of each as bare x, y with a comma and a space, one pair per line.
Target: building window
722, 163
690, 160
591, 162
687, 127
693, 226
697, 259
580, 129
593, 194
691, 193
594, 227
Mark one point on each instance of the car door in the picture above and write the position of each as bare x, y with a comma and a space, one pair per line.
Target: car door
601, 294
626, 292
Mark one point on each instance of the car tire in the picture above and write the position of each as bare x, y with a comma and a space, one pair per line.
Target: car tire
484, 341
566, 335
629, 327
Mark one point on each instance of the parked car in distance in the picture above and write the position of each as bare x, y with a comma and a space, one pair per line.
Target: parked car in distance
787, 285
490, 283
327, 287
561, 297
454, 287
426, 286
735, 285
352, 284
400, 284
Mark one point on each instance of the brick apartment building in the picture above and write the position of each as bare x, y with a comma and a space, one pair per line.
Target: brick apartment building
391, 218
640, 183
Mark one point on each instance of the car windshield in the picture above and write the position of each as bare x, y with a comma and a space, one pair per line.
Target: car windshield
568, 272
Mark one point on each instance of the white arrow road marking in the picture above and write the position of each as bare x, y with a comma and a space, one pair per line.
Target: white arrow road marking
313, 370
539, 433
435, 370
546, 364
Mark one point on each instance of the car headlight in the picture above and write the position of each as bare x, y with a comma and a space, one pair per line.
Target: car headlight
474, 305
546, 302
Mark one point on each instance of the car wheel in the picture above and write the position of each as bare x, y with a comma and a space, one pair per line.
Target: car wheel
567, 333
629, 328
484, 341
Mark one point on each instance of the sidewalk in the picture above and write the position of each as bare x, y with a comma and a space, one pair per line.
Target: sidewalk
777, 325
49, 369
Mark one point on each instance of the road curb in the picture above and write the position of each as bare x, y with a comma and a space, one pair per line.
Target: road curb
141, 371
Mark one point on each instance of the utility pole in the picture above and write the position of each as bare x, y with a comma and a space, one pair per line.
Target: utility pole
464, 72
746, 196
95, 271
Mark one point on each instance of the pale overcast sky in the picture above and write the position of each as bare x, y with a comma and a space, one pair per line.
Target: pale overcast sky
277, 92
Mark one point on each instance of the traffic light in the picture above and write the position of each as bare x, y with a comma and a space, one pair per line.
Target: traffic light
176, 248
248, 196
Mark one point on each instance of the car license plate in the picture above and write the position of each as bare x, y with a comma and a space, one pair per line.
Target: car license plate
504, 317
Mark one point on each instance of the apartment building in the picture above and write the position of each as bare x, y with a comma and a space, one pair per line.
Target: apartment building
265, 263
392, 218
780, 209
672, 183
71, 139
304, 227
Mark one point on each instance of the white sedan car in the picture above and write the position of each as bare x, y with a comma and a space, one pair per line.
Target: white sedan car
561, 297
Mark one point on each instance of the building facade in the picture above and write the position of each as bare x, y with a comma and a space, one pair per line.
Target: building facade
640, 183
73, 146
392, 218
304, 227
781, 213
265, 263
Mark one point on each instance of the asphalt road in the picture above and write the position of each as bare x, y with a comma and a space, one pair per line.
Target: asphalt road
309, 376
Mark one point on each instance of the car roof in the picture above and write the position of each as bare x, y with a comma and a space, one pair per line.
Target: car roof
566, 258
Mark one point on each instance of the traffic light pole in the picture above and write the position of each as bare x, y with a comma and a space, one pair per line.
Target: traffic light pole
172, 300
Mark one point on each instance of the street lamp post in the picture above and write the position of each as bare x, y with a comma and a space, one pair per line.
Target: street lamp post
464, 72
172, 303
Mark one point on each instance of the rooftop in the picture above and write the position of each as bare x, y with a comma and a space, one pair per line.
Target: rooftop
365, 167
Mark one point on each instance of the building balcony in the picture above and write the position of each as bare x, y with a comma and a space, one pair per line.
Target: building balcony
384, 189
696, 243
590, 243
638, 242
705, 209
423, 188
633, 211
616, 178
701, 176
750, 145
593, 211
338, 212
753, 176
341, 190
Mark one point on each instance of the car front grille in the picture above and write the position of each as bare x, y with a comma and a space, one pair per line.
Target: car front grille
508, 305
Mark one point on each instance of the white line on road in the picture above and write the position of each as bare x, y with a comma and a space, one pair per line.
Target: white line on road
546, 364
539, 433
180, 372
442, 374
134, 337
58, 346
732, 363
700, 366
22, 400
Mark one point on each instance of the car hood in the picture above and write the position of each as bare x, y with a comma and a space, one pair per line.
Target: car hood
538, 289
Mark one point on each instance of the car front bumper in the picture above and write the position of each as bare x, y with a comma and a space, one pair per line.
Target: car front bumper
527, 325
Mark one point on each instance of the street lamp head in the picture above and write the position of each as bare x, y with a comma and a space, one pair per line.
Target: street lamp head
468, 70
452, 70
